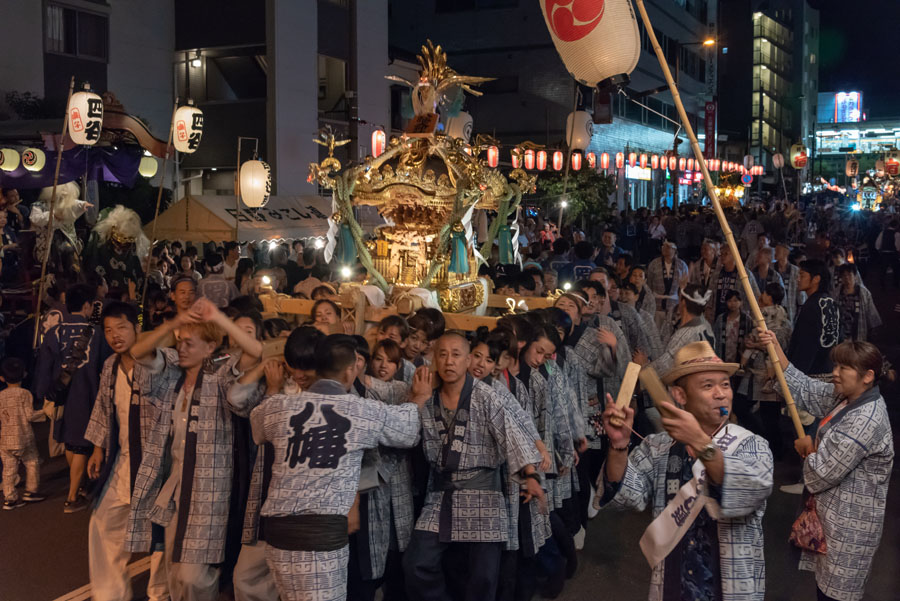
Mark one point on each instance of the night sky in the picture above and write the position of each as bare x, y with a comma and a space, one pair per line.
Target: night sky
859, 49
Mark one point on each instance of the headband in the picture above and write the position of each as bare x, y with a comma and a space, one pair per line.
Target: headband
696, 298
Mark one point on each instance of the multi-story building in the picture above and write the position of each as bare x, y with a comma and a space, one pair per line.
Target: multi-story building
533, 93
769, 76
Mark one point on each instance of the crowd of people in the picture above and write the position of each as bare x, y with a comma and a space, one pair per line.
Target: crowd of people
297, 459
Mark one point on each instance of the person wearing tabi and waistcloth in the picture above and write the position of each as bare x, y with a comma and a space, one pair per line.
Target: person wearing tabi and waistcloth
319, 437
194, 428
468, 433
848, 465
705, 479
120, 424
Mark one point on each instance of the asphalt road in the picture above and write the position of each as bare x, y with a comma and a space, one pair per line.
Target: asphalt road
43, 552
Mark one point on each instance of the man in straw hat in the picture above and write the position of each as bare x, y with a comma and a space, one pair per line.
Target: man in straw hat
707, 480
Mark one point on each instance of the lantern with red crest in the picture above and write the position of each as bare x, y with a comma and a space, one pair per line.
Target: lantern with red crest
529, 159
604, 160
576, 161
591, 160
799, 156
620, 160
493, 156
542, 160
892, 163
596, 39
558, 160
632, 158
654, 161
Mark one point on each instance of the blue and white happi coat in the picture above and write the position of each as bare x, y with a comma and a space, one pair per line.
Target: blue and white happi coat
746, 486
493, 435
849, 475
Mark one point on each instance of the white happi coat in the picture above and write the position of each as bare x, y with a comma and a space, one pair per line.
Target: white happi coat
849, 474
744, 490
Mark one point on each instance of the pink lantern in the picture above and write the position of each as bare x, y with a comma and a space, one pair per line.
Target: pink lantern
591, 160
529, 159
620, 160
632, 158
378, 142
654, 161
493, 156
682, 164
542, 160
558, 160
576, 161
604, 160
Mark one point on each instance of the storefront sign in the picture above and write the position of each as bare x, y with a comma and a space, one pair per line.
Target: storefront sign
642, 173
709, 150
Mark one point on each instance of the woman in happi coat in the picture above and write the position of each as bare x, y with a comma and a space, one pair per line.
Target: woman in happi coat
848, 465
857, 309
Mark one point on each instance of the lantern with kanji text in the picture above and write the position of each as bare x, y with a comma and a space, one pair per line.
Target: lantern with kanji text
188, 128
799, 156
255, 183
85, 116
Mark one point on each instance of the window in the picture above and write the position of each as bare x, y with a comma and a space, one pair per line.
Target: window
76, 33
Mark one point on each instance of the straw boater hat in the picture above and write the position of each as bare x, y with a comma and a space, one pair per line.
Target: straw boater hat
694, 358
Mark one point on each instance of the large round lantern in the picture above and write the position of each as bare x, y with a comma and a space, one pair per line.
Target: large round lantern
591, 160
778, 160
673, 163
541, 160
576, 161
378, 143
529, 159
255, 183
558, 160
799, 156
460, 126
682, 164
892, 163
493, 156
188, 128
597, 39
620, 160
579, 129
148, 167
85, 116
33, 159
654, 161
9, 159
604, 160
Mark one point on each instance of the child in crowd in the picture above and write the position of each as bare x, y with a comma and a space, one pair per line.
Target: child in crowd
17, 443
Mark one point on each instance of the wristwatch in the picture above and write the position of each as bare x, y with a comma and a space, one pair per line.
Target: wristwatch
708, 452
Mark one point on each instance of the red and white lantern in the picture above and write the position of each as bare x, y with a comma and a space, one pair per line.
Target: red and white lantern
378, 143
654, 161
620, 160
516, 159
529, 159
558, 160
673, 163
690, 164
604, 160
591, 160
632, 158
576, 161
643, 161
493, 156
542, 160
682, 164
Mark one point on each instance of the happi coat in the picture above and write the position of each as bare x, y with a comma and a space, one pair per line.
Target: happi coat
746, 485
849, 475
666, 297
696, 330
207, 469
492, 435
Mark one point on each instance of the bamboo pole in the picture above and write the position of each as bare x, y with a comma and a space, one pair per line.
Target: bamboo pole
59, 151
723, 223
162, 179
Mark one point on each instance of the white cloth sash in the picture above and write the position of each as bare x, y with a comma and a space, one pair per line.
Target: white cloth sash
670, 526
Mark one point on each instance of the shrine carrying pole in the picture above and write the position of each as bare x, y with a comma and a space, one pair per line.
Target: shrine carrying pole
723, 223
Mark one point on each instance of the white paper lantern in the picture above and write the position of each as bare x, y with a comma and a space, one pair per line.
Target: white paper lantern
778, 160
597, 39
85, 115
579, 129
33, 159
799, 156
255, 183
9, 159
892, 163
460, 126
748, 162
148, 167
188, 128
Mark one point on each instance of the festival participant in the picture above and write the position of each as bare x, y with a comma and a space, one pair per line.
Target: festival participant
230, 264
702, 269
847, 468
184, 293
790, 274
395, 328
857, 309
17, 444
386, 358
722, 472
468, 434
172, 484
120, 424
817, 328
421, 331
67, 374
306, 530
628, 296
665, 275
325, 314
764, 271
726, 278
646, 301
608, 253
581, 267
625, 315
215, 286
732, 331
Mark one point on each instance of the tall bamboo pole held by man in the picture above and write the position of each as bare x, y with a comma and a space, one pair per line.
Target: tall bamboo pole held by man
162, 179
42, 281
723, 223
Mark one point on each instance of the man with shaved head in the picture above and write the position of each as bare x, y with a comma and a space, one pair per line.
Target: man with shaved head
468, 434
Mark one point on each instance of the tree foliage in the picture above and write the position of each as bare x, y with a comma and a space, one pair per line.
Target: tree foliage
28, 106
587, 193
